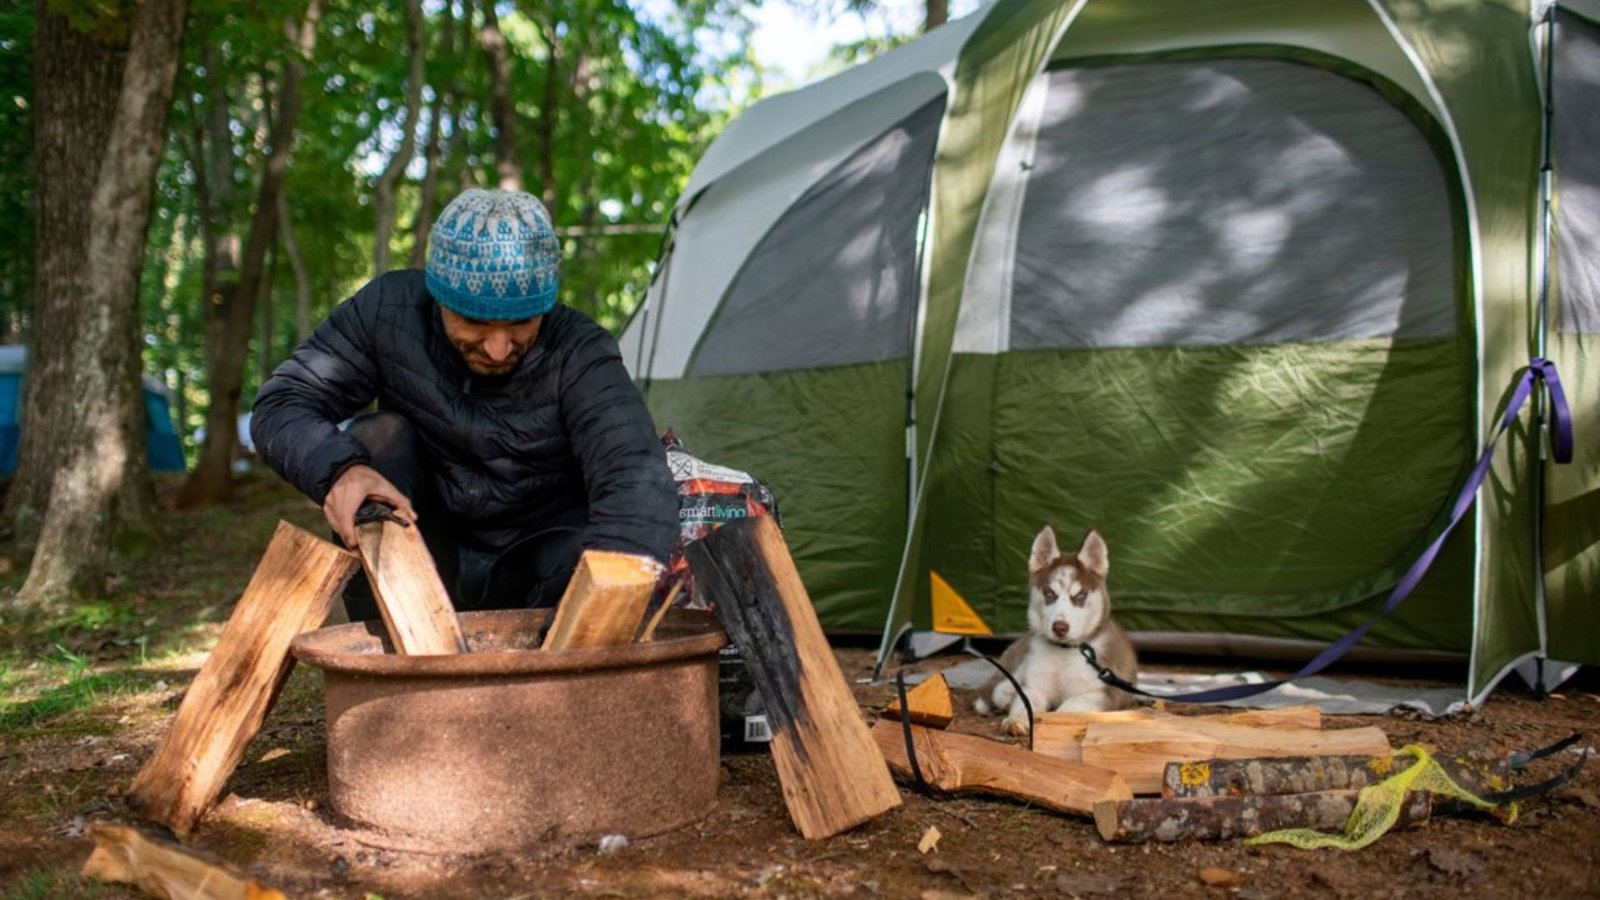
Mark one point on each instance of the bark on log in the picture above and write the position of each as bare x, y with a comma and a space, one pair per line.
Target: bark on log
832, 774
1226, 818
1140, 751
965, 763
1061, 734
415, 605
290, 592
930, 704
604, 600
161, 868
1479, 771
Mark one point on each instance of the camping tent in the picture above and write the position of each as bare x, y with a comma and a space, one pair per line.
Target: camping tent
1242, 283
166, 454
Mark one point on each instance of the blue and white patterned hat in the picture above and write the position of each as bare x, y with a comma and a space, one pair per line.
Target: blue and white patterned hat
494, 255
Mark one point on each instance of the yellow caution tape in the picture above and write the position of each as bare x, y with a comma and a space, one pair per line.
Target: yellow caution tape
1378, 806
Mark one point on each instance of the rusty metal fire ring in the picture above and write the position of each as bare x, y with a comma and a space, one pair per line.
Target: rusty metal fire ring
510, 749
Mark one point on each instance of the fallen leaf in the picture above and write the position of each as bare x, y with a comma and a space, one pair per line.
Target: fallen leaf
1220, 877
274, 753
930, 840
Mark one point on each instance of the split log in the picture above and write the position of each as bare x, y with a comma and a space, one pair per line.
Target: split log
415, 606
967, 763
1227, 818
292, 588
161, 868
930, 704
831, 772
603, 601
1060, 734
1140, 751
1480, 771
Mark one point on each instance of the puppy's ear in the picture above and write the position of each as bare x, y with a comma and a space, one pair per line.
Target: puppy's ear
1093, 553
1045, 551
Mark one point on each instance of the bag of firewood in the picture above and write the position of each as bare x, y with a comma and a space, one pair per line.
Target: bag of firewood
710, 496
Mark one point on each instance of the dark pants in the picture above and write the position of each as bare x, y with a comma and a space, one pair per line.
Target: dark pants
532, 570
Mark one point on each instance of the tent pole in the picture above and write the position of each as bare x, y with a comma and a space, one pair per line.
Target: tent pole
1541, 335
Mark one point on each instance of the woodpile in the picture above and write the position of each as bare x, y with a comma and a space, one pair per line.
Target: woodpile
1147, 774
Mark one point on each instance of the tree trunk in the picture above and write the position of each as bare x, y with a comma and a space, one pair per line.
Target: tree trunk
383, 191
231, 310
104, 432
443, 105
302, 281
938, 12
549, 109
76, 81
507, 168
264, 350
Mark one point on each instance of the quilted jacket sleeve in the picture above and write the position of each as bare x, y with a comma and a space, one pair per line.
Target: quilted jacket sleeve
633, 502
329, 378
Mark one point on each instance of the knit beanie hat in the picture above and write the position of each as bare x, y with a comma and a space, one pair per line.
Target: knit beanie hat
493, 255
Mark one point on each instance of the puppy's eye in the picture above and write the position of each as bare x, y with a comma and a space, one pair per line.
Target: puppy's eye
1080, 598
1049, 595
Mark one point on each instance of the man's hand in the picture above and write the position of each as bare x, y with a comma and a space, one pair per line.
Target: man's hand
357, 485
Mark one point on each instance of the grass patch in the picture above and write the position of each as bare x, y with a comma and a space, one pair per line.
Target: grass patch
51, 884
82, 689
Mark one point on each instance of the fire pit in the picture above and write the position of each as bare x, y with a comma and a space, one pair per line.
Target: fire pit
507, 748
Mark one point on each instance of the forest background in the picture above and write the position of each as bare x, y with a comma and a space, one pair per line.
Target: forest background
188, 186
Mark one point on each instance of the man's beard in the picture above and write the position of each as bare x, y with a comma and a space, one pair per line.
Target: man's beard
482, 366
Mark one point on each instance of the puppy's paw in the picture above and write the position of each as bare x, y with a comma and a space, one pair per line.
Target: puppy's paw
1004, 695
1016, 726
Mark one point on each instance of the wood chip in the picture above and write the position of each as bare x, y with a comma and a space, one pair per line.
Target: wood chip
1221, 877
930, 840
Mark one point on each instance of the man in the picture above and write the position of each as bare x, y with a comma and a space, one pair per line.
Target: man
508, 429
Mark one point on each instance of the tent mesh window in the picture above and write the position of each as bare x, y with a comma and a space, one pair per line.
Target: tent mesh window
1228, 201
1577, 162
834, 282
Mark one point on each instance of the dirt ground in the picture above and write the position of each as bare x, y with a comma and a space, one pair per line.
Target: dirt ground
85, 695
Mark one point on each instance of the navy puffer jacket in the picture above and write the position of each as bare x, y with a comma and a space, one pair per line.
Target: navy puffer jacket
566, 429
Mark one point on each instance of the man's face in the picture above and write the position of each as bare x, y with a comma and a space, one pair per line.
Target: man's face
490, 347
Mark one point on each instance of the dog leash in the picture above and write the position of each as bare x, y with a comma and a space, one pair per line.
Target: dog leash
1538, 369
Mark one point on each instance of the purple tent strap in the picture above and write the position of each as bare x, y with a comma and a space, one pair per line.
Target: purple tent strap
1538, 369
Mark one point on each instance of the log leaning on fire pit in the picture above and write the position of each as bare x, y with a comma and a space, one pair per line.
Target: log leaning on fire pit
966, 763
833, 776
415, 606
290, 592
1226, 818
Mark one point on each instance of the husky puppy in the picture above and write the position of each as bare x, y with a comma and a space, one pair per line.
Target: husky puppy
1067, 606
